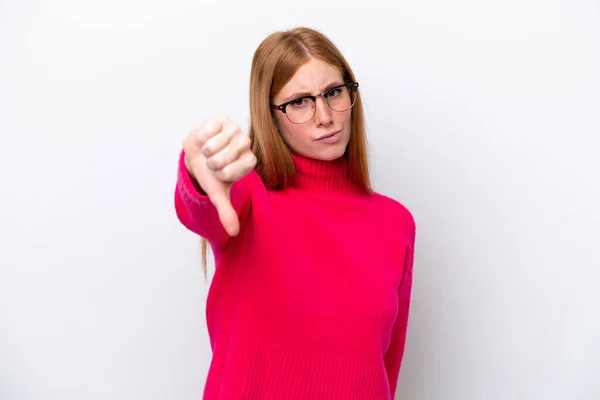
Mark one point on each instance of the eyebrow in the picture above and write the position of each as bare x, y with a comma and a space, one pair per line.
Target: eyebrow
302, 94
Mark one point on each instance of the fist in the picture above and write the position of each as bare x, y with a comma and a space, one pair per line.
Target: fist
217, 154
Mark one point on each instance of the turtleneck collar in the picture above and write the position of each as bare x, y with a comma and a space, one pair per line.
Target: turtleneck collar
323, 176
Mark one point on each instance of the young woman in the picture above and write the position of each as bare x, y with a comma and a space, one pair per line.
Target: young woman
311, 292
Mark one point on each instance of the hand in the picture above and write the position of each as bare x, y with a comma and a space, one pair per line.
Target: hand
217, 154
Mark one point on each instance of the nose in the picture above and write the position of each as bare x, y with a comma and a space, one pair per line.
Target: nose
323, 113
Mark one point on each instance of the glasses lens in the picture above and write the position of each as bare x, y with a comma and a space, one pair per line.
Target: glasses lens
302, 110
340, 99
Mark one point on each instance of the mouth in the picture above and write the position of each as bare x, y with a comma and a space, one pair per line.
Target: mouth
327, 135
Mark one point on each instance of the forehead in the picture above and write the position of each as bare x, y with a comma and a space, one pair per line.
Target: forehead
312, 76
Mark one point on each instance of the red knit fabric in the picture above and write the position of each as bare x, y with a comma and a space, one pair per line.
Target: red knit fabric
311, 299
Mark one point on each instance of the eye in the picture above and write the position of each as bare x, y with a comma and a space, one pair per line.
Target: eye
301, 102
333, 92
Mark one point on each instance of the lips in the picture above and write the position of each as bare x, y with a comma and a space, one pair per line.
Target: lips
327, 135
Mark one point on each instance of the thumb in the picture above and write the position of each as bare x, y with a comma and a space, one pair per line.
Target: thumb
227, 213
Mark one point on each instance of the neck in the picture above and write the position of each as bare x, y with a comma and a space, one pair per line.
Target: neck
322, 176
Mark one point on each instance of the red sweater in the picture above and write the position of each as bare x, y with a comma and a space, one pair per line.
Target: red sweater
311, 299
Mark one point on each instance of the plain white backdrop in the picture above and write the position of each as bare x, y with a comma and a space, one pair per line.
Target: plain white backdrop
483, 119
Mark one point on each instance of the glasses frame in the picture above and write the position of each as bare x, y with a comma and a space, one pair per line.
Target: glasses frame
353, 86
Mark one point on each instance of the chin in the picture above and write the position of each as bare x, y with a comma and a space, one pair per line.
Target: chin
331, 153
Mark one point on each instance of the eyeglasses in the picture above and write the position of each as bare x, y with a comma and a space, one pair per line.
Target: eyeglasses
301, 110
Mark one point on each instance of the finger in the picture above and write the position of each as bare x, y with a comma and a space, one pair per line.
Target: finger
237, 169
209, 129
227, 214
236, 147
218, 142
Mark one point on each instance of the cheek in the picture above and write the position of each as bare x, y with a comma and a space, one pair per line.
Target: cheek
297, 133
281, 123
292, 132
348, 118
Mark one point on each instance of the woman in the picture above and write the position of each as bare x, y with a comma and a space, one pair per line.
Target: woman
311, 291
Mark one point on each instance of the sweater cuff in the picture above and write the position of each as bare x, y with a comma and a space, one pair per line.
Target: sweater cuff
187, 189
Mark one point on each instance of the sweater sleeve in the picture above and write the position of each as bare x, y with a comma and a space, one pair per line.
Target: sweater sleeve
395, 352
196, 212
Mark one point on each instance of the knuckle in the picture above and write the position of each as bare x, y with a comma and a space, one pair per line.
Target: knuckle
251, 161
242, 143
245, 141
222, 119
208, 148
232, 129
231, 126
227, 174
209, 126
215, 163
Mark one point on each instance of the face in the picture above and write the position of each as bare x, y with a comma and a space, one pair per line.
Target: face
313, 139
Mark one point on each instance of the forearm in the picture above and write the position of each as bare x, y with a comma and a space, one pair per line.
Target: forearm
197, 213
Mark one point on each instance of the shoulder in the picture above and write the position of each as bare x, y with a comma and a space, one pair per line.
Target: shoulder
396, 213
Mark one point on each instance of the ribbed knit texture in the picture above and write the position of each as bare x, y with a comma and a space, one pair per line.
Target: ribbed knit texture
311, 299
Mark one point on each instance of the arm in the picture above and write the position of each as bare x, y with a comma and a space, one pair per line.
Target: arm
395, 352
196, 212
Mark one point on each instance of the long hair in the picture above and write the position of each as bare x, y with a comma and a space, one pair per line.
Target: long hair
275, 61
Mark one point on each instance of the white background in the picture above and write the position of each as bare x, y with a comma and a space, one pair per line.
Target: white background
483, 119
